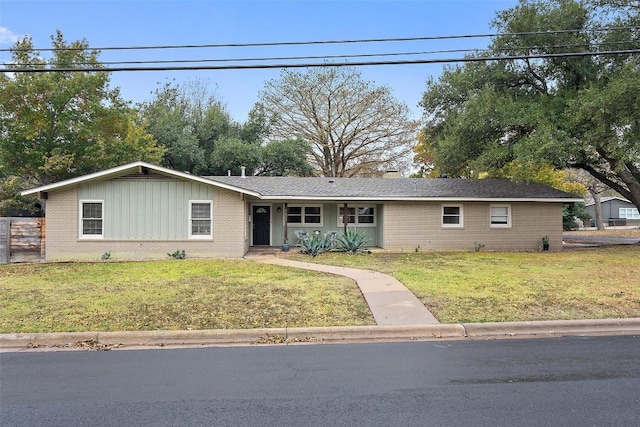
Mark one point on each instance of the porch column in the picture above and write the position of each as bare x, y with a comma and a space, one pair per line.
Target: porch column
345, 218
284, 223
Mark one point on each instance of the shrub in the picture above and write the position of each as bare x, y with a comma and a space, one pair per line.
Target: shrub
353, 241
178, 254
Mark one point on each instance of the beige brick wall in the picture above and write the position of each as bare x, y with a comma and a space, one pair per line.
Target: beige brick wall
229, 222
408, 225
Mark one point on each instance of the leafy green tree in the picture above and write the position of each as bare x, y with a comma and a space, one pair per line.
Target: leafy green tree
188, 121
58, 125
230, 154
578, 112
352, 127
285, 158
201, 138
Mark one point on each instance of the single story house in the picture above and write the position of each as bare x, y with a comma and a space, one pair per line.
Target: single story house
615, 211
140, 210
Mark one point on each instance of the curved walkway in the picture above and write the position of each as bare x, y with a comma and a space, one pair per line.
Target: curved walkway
390, 302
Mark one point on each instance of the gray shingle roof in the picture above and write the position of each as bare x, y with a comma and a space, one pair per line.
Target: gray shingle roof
392, 188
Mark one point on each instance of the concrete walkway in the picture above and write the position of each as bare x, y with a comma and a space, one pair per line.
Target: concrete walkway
390, 302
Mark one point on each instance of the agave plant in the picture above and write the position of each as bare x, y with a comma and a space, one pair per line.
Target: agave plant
315, 245
353, 241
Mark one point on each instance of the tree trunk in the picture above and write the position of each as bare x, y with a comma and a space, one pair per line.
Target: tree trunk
598, 208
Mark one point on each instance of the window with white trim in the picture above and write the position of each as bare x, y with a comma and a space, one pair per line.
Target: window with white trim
629, 213
500, 216
452, 216
360, 215
304, 215
92, 219
200, 219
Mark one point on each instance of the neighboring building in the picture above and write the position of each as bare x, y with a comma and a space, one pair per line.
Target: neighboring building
615, 211
140, 210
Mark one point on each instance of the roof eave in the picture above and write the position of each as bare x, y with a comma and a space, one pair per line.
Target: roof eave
425, 199
121, 170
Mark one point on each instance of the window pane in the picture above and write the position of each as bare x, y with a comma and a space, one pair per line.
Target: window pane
450, 220
500, 211
200, 210
312, 219
201, 227
365, 211
451, 210
294, 219
92, 210
312, 210
92, 227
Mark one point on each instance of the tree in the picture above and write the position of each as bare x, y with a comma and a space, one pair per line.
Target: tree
230, 154
187, 120
58, 125
351, 126
285, 158
579, 112
201, 138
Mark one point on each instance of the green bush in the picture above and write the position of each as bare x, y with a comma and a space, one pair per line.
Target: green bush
178, 254
353, 241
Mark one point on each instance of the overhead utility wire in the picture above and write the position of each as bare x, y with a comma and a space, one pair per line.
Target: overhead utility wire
290, 58
316, 65
321, 42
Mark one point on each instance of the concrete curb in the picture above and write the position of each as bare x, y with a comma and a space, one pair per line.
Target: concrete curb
554, 328
344, 334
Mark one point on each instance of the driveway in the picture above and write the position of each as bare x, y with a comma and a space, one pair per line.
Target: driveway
584, 239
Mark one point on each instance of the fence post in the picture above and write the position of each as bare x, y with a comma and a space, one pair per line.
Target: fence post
5, 237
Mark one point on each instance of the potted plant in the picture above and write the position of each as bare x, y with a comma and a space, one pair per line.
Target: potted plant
285, 246
545, 243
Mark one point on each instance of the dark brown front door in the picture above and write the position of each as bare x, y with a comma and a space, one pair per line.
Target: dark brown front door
261, 225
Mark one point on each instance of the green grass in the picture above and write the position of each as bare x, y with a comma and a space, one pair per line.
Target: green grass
173, 295
496, 287
229, 294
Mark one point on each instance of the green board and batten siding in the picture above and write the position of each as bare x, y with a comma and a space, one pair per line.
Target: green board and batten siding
150, 209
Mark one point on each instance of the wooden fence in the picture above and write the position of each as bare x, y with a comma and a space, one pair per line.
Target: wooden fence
22, 239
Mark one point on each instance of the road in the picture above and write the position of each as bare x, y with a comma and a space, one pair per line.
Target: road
586, 239
572, 381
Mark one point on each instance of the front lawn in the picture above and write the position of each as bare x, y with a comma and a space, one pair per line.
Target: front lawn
173, 295
497, 287
229, 294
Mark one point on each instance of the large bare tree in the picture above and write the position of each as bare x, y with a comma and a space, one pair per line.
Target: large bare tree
353, 127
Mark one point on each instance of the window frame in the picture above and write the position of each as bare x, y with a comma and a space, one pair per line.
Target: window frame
191, 219
491, 215
356, 215
460, 215
303, 215
81, 233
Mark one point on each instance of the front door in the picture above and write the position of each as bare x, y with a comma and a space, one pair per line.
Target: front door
261, 225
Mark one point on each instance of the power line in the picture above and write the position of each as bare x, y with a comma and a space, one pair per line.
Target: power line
325, 42
325, 64
325, 57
